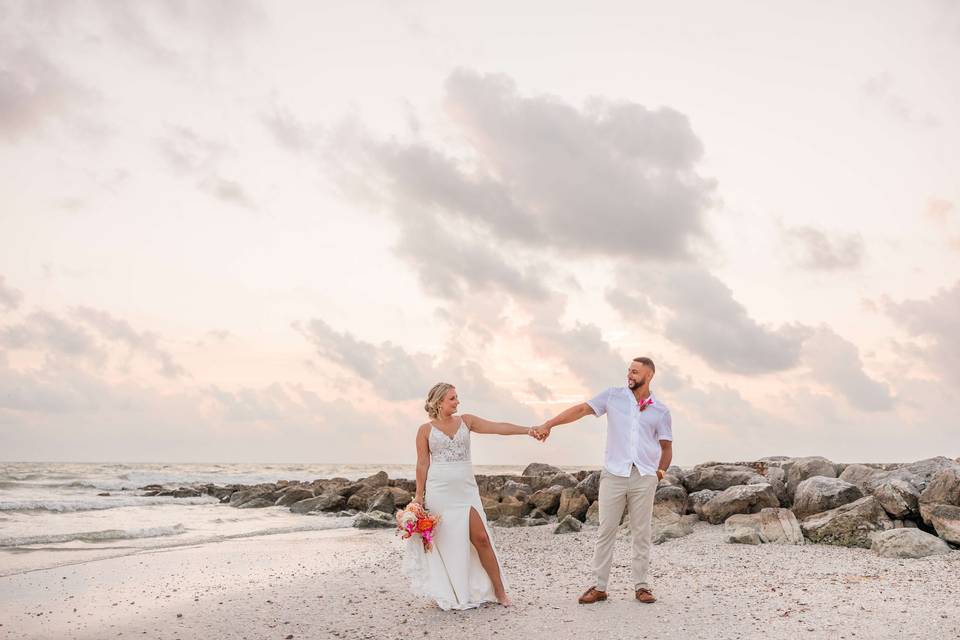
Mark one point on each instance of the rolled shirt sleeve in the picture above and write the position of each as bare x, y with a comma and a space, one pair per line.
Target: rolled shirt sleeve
665, 428
599, 402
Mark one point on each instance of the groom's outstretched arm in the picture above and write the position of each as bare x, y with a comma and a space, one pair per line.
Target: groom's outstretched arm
566, 416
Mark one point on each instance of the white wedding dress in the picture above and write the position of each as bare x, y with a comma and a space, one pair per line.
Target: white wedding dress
450, 574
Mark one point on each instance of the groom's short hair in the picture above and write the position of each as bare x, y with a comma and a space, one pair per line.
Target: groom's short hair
646, 362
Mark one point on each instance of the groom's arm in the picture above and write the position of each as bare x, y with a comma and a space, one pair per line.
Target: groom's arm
566, 416
666, 456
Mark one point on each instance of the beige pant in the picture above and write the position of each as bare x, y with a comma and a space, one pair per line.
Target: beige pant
615, 492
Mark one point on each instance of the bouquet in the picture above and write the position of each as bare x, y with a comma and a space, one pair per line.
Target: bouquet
415, 519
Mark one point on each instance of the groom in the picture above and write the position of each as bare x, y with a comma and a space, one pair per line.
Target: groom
639, 450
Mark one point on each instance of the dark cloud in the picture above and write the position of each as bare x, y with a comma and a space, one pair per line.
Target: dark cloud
288, 131
835, 362
935, 321
145, 342
813, 249
700, 313
10, 298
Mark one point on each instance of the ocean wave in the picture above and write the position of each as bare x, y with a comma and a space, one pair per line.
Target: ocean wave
99, 504
94, 536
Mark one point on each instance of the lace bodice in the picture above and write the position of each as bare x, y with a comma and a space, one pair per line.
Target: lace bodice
455, 449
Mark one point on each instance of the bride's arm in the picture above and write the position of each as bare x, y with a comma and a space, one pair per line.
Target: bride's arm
479, 425
423, 461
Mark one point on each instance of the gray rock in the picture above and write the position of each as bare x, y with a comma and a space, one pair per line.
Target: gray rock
374, 520
667, 525
862, 476
237, 498
516, 490
509, 521
541, 469
818, 494
743, 536
849, 525
256, 503
547, 500
562, 479
536, 522
573, 503
328, 502
720, 477
898, 497
749, 498
697, 499
568, 525
590, 486
360, 497
388, 500
593, 515
803, 468
944, 488
511, 506
538, 514
673, 497
780, 526
295, 494
491, 508
907, 543
945, 519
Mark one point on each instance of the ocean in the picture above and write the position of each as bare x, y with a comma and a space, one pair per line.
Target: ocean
52, 514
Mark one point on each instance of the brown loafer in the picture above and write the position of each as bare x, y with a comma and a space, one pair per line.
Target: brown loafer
591, 595
645, 596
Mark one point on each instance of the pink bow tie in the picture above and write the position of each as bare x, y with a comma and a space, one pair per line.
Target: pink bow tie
646, 403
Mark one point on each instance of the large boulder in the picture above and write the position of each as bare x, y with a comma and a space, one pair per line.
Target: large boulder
945, 519
593, 515
328, 502
750, 498
849, 525
673, 497
547, 500
900, 498
772, 525
668, 524
562, 479
590, 486
943, 488
863, 476
696, 500
720, 477
776, 477
361, 495
517, 490
293, 494
491, 508
388, 500
907, 543
803, 468
541, 469
511, 506
237, 498
257, 503
819, 494
374, 520
569, 524
573, 503
743, 536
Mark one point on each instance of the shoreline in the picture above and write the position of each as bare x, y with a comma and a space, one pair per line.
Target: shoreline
346, 583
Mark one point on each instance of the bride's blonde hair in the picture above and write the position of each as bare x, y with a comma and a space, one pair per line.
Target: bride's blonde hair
435, 397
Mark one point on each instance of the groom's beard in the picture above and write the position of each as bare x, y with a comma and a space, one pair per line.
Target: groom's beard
633, 385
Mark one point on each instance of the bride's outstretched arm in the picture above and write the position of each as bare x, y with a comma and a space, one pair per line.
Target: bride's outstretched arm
479, 425
423, 461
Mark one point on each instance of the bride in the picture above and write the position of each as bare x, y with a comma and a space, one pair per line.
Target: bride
463, 570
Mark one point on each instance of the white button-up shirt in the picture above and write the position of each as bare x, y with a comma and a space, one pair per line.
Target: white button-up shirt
633, 436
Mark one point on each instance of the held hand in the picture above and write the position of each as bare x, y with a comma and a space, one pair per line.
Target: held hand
541, 433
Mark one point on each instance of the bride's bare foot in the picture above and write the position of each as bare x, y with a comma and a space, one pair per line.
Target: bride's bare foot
504, 599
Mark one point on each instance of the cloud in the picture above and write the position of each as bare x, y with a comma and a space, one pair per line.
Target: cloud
288, 131
10, 297
813, 249
582, 349
120, 331
34, 91
836, 362
699, 313
229, 191
397, 375
534, 175
935, 321
46, 332
881, 90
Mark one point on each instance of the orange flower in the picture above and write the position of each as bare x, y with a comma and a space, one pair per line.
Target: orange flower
425, 525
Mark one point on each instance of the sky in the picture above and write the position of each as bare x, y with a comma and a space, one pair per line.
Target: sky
235, 231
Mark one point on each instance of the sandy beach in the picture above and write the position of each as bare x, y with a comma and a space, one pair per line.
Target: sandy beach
345, 584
